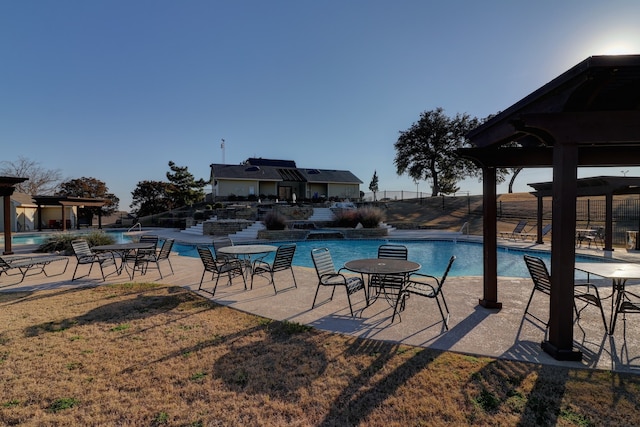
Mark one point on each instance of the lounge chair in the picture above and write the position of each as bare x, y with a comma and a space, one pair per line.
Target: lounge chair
518, 229
533, 236
30, 266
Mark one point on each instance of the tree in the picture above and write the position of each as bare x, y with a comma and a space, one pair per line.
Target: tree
373, 185
427, 150
184, 189
90, 188
41, 182
515, 172
150, 197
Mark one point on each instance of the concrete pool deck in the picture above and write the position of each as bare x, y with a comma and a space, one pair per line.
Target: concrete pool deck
505, 333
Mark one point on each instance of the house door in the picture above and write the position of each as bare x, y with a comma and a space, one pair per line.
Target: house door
284, 193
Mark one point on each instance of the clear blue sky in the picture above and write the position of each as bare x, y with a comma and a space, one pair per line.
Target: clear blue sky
115, 89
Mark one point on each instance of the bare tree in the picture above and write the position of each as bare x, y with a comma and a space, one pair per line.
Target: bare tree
41, 181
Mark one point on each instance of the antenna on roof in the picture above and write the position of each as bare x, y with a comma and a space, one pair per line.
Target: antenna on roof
222, 148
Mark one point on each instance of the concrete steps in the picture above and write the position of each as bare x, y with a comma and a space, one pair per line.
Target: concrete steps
249, 233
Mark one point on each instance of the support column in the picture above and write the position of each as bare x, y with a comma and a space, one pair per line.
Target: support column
6, 198
490, 245
608, 223
539, 217
563, 251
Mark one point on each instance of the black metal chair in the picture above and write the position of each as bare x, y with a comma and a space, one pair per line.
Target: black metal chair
428, 286
328, 276
84, 255
282, 261
542, 283
231, 268
138, 259
159, 256
626, 302
389, 284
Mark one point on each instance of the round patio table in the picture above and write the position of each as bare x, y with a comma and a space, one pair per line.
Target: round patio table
382, 267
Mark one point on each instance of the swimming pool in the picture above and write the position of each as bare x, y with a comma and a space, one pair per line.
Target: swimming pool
40, 238
433, 255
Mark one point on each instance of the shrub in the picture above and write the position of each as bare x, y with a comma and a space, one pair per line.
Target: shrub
346, 218
370, 217
275, 221
62, 242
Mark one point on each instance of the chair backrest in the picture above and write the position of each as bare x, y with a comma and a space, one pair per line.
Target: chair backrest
284, 256
392, 252
222, 243
546, 229
322, 261
149, 238
207, 258
81, 248
446, 271
519, 227
539, 273
165, 250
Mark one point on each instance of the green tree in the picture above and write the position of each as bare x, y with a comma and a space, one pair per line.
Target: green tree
184, 189
373, 185
150, 197
90, 188
427, 150
41, 182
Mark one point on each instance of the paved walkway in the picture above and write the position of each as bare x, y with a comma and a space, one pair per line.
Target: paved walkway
504, 333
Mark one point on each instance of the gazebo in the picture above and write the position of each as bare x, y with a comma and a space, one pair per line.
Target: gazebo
587, 116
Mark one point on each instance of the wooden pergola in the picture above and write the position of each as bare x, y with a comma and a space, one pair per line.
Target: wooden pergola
65, 201
607, 186
588, 116
7, 187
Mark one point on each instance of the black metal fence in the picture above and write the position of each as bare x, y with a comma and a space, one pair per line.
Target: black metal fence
589, 213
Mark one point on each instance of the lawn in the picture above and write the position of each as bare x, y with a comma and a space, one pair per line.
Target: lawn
146, 355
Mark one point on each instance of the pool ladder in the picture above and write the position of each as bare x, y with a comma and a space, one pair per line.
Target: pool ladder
136, 225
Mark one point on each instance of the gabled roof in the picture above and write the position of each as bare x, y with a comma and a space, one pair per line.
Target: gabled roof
273, 173
259, 161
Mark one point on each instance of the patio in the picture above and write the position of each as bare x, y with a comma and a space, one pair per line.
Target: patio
473, 329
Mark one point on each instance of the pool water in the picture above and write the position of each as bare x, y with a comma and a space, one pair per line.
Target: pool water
433, 255
40, 238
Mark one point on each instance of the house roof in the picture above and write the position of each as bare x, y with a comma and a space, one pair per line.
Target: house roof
594, 186
278, 174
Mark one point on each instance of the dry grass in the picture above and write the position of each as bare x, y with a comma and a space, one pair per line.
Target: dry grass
140, 354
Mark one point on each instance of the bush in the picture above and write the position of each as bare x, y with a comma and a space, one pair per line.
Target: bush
347, 218
62, 242
275, 221
370, 217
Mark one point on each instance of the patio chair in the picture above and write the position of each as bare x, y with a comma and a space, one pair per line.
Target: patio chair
519, 228
159, 256
328, 276
231, 268
542, 283
281, 262
139, 258
25, 266
626, 302
389, 284
596, 237
428, 286
84, 255
221, 243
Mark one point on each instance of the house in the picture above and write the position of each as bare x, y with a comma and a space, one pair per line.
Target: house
283, 180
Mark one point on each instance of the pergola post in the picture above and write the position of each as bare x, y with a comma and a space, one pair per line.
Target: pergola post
563, 252
490, 246
608, 223
539, 217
